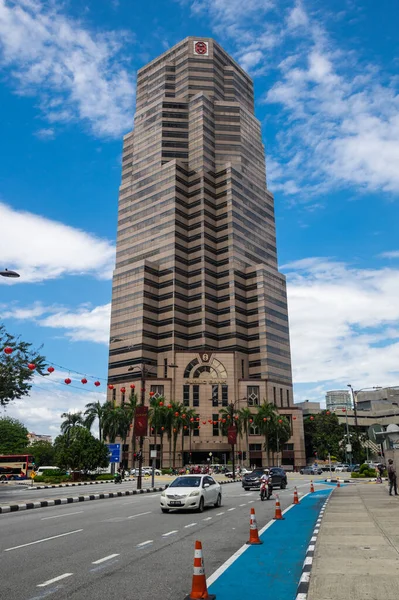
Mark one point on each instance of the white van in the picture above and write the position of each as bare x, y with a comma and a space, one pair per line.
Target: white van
42, 470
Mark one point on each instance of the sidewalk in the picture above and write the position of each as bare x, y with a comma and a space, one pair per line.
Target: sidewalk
357, 550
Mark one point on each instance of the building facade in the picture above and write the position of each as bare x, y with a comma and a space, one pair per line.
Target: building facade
309, 408
338, 399
197, 298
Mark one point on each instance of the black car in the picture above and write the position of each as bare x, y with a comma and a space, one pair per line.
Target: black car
252, 480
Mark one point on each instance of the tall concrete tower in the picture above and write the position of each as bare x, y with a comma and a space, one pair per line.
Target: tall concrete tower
197, 296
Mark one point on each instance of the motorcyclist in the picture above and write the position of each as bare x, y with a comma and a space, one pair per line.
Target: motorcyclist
264, 485
265, 477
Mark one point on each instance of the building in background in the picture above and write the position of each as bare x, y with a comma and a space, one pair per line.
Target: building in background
35, 437
309, 408
338, 399
377, 399
197, 299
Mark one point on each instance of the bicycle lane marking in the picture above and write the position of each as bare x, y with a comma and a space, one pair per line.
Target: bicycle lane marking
282, 553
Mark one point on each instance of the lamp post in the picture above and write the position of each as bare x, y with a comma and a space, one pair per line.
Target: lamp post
347, 439
9, 274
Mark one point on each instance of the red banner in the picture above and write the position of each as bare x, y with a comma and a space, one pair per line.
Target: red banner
141, 421
232, 435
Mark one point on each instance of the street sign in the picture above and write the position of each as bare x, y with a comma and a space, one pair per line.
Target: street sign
114, 453
32, 475
153, 453
141, 421
349, 448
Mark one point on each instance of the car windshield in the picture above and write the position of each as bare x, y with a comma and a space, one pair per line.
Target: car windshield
186, 482
258, 473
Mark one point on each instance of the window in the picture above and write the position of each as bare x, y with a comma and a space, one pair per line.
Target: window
122, 398
215, 427
281, 397
196, 395
158, 391
189, 368
113, 395
288, 447
215, 395
225, 395
255, 447
274, 395
253, 429
288, 397
186, 395
165, 367
242, 369
253, 395
195, 427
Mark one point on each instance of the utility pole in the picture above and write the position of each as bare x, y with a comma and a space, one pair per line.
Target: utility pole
141, 442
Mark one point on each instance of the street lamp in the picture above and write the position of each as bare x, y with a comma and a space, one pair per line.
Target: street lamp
9, 274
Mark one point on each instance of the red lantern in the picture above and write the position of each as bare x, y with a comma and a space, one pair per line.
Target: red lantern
8, 350
110, 387
176, 414
162, 428
344, 410
264, 419
199, 426
183, 416
84, 380
204, 422
161, 403
251, 420
328, 413
185, 427
197, 419
31, 367
236, 418
169, 406
192, 420
215, 422
132, 386
294, 418
68, 381
123, 390
50, 369
223, 420
280, 420
97, 383
174, 429
143, 389
312, 418
151, 394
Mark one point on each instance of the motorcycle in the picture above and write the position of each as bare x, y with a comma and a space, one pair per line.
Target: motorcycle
118, 478
266, 490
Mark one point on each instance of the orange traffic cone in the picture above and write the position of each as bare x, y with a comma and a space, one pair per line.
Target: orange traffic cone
253, 530
198, 586
278, 515
338, 483
311, 487
296, 499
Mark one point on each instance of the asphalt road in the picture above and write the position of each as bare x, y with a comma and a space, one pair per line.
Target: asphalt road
122, 548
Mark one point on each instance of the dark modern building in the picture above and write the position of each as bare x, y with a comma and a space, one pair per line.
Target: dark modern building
197, 295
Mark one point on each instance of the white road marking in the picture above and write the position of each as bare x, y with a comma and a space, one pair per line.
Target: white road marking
207, 519
144, 543
78, 512
229, 509
243, 504
218, 514
190, 525
251, 501
49, 581
53, 537
101, 560
140, 515
170, 533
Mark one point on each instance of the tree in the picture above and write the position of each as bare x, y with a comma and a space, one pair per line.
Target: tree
15, 376
71, 420
79, 450
13, 436
95, 410
188, 414
265, 421
114, 422
325, 433
279, 433
43, 453
245, 419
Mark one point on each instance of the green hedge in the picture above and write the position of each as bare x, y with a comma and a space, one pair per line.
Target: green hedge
47, 479
105, 477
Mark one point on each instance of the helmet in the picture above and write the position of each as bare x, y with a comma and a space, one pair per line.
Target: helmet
266, 471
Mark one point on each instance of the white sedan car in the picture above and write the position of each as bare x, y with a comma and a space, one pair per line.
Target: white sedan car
191, 492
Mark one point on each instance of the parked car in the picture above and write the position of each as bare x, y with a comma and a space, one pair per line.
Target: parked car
43, 469
252, 480
344, 468
192, 492
311, 471
145, 471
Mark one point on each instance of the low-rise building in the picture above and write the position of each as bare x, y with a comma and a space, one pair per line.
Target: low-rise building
338, 399
36, 437
309, 408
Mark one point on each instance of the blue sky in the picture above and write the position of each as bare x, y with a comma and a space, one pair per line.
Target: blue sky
326, 83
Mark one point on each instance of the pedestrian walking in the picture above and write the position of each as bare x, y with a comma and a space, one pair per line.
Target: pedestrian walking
392, 478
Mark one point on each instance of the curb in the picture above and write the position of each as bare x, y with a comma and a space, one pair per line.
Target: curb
60, 485
304, 582
72, 499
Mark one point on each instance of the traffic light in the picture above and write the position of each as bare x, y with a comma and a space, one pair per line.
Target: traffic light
244, 456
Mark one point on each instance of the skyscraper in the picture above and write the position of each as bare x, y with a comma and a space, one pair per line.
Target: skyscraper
197, 296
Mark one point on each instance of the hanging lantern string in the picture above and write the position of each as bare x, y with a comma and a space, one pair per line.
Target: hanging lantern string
76, 372
87, 390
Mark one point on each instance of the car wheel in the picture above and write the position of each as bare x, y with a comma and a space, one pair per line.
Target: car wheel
246, 489
283, 485
3, 478
201, 505
218, 502
165, 510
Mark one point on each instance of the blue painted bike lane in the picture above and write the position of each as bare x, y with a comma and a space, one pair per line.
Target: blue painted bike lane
274, 568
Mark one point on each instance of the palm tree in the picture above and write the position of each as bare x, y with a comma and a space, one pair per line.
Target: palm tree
157, 418
115, 422
130, 410
187, 415
266, 423
245, 419
71, 421
280, 433
95, 410
178, 411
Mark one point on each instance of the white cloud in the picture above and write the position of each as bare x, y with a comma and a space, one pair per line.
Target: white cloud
83, 323
391, 254
297, 16
344, 323
45, 134
49, 398
40, 249
77, 74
